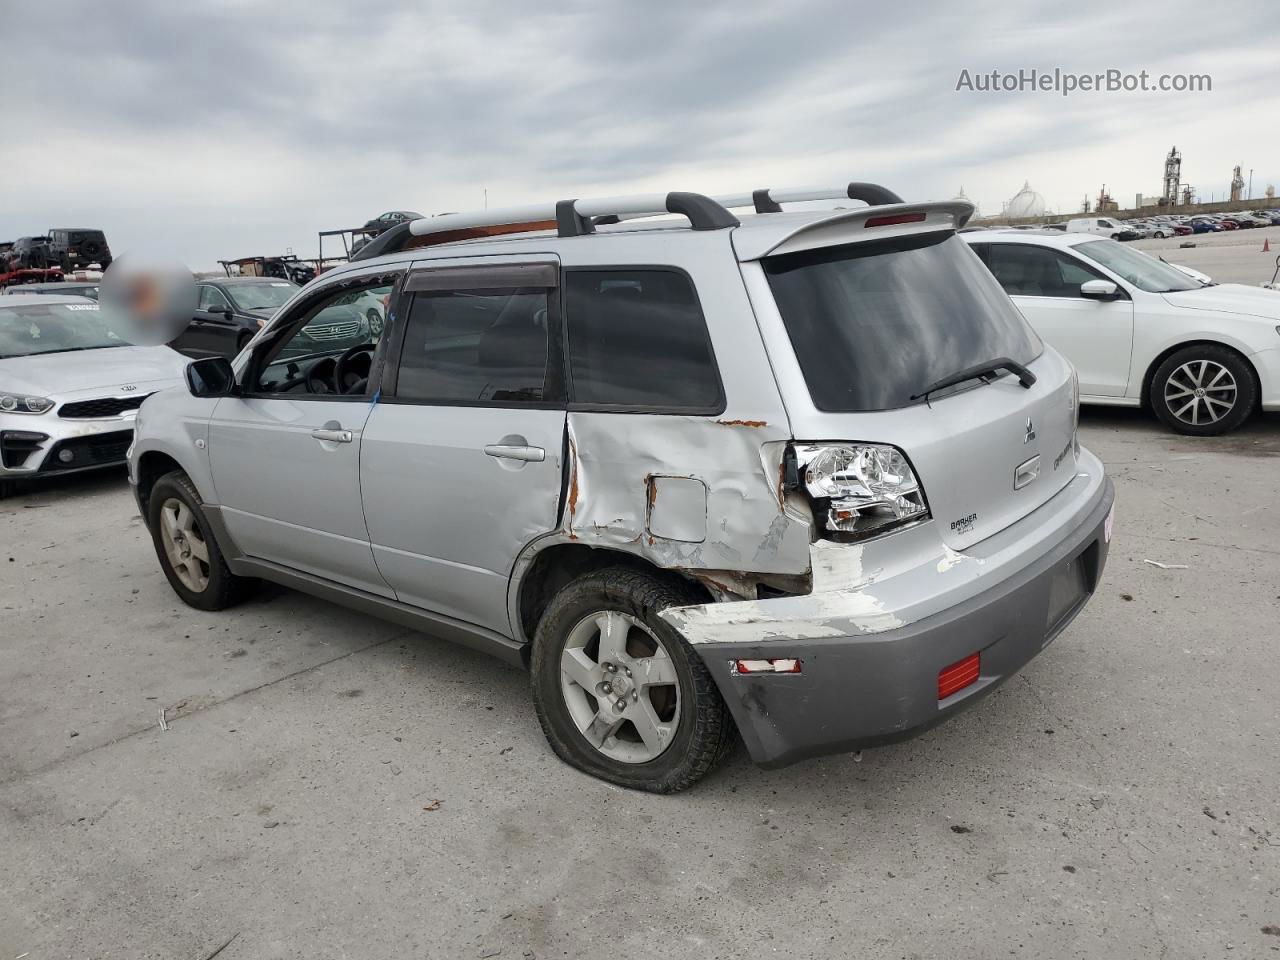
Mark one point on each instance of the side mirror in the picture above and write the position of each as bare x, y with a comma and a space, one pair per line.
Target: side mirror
211, 377
1099, 290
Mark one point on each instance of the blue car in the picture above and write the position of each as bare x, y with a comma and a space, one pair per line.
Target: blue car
1205, 226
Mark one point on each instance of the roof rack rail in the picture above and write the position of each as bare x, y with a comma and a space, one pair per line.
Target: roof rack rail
569, 218
769, 200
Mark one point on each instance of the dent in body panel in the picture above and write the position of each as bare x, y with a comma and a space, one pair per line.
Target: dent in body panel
685, 493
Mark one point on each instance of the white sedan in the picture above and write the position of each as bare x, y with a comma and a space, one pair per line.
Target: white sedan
70, 387
1139, 331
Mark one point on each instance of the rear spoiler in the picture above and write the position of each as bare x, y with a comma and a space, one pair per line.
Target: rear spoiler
849, 226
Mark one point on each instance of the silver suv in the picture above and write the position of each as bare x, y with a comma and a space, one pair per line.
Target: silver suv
804, 477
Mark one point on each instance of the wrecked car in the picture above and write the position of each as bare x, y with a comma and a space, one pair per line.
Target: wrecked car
804, 478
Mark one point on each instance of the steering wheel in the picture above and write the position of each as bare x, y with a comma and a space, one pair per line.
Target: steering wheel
350, 376
321, 377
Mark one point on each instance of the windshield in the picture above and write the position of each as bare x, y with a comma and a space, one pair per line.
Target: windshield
262, 296
875, 323
32, 329
1144, 272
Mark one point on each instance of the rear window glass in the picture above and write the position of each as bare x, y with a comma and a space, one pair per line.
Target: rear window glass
637, 338
875, 323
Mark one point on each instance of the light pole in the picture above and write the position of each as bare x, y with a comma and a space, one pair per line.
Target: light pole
1250, 197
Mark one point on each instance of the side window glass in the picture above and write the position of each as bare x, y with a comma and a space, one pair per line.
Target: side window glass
1026, 271
637, 338
469, 346
211, 298
333, 351
1073, 274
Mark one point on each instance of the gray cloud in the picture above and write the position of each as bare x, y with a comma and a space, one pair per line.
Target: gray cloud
221, 129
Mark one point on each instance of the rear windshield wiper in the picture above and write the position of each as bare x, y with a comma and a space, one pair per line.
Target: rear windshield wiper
981, 370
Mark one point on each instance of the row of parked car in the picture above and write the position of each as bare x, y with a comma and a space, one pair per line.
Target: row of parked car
1163, 225
1185, 225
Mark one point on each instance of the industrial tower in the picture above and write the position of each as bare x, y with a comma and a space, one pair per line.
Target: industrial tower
1172, 176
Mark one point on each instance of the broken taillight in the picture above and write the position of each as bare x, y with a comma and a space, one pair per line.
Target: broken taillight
858, 489
961, 674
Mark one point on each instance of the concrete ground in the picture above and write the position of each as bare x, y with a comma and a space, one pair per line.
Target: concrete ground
333, 786
1232, 257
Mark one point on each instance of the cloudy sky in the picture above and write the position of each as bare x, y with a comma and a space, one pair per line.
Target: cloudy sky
228, 128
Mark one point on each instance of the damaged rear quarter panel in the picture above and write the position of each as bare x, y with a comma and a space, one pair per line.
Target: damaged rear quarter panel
621, 463
631, 478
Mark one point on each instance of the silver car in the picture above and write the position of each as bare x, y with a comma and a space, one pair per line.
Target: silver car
803, 478
69, 387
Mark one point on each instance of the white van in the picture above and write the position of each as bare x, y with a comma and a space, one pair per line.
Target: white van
1102, 226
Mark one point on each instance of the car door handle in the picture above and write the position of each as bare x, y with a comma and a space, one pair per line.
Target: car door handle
508, 451
333, 436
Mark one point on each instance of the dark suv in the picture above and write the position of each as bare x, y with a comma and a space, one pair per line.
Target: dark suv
75, 247
30, 253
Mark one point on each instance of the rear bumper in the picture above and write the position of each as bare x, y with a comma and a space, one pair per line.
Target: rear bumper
864, 689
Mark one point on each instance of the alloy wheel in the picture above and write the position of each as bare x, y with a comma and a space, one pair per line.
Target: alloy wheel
184, 545
1200, 392
620, 686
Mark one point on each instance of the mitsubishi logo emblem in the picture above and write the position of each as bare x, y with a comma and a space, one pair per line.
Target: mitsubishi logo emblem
1031, 432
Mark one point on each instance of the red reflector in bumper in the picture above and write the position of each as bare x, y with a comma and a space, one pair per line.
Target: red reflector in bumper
888, 221
766, 666
959, 675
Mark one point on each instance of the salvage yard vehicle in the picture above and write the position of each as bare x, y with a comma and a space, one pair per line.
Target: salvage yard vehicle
1142, 332
229, 311
806, 476
30, 253
69, 387
58, 288
285, 267
74, 247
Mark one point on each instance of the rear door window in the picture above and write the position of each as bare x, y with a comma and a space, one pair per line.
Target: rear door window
638, 341
875, 323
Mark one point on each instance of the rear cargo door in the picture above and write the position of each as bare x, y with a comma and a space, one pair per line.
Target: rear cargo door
858, 334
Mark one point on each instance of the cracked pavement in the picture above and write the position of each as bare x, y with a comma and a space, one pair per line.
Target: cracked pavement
335, 786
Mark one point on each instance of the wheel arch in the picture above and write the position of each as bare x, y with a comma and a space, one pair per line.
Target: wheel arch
542, 572
152, 465
1169, 351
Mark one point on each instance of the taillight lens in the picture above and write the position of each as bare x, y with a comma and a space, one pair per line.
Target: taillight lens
860, 488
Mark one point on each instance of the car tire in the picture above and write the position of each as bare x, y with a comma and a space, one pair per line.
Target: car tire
687, 724
8, 488
175, 507
1201, 378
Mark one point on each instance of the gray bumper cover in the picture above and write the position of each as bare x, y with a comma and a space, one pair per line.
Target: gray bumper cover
860, 691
